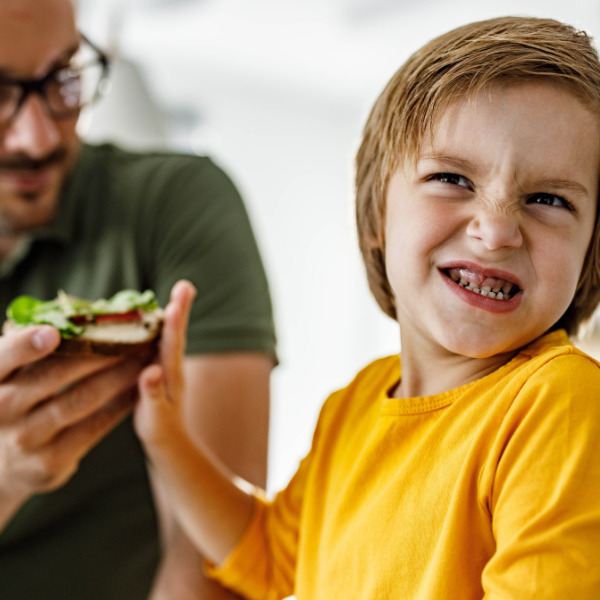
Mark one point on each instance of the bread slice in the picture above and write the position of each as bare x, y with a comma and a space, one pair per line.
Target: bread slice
111, 338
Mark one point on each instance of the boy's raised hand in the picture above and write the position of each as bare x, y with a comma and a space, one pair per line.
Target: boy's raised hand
211, 504
157, 414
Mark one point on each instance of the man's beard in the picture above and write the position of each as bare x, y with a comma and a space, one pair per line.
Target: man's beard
25, 164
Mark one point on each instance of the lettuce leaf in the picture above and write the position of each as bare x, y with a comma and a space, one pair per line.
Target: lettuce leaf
125, 301
27, 310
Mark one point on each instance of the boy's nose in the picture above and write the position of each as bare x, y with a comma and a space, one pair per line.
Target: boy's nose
495, 229
32, 131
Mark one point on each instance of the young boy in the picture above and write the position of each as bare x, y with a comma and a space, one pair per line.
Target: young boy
470, 468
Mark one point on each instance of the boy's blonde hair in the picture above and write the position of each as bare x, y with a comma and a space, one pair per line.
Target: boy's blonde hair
455, 65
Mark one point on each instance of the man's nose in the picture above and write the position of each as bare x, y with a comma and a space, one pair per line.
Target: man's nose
495, 228
32, 131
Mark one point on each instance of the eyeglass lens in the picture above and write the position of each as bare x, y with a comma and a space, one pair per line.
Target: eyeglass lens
66, 90
71, 88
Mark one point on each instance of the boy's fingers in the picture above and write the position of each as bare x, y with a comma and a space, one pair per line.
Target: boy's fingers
173, 340
151, 383
182, 297
173, 337
184, 293
183, 288
153, 407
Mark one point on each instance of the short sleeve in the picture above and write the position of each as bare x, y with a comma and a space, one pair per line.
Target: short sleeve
197, 228
545, 505
263, 564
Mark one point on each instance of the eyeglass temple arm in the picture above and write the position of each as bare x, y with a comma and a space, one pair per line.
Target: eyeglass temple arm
101, 54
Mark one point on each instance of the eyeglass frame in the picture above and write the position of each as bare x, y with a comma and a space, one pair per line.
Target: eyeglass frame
38, 85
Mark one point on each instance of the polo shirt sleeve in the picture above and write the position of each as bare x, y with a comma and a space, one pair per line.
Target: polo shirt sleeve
198, 229
545, 504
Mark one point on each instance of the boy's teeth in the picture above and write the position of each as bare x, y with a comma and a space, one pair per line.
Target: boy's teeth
489, 287
486, 291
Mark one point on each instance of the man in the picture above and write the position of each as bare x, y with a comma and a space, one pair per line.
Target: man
78, 513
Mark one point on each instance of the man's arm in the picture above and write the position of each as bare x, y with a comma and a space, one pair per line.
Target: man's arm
226, 405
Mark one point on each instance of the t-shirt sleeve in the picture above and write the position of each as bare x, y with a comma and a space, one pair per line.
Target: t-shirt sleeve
263, 564
545, 505
197, 228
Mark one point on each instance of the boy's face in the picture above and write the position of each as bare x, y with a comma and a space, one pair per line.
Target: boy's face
503, 197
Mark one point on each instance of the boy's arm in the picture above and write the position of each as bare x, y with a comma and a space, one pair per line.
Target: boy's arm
181, 575
226, 403
212, 505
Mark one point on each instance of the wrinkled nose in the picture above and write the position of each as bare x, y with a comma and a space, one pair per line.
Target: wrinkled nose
32, 131
495, 230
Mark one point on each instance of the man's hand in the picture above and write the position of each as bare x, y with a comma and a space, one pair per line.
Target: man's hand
53, 410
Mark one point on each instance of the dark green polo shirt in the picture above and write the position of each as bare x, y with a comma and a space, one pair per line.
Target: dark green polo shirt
129, 220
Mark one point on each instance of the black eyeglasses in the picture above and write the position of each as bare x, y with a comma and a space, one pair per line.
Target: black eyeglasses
66, 89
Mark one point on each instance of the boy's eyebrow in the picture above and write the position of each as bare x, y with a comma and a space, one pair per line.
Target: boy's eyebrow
463, 164
564, 184
451, 161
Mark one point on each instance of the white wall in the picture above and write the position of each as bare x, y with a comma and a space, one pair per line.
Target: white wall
278, 91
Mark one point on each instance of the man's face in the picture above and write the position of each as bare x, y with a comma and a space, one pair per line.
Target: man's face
36, 150
487, 234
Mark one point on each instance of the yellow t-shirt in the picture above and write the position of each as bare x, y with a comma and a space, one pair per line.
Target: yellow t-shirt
490, 490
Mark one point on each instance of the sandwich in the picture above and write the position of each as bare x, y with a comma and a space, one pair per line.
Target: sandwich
128, 323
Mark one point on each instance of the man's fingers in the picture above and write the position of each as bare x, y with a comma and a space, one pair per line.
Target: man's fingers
34, 383
76, 403
64, 454
25, 346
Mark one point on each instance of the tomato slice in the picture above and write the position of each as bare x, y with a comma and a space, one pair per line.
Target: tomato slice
132, 315
124, 317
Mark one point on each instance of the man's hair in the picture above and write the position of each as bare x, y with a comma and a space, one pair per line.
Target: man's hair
459, 64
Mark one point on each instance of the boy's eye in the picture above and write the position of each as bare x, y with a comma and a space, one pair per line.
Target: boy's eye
451, 178
550, 200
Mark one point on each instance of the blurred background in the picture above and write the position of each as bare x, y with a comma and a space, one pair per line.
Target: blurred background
277, 92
